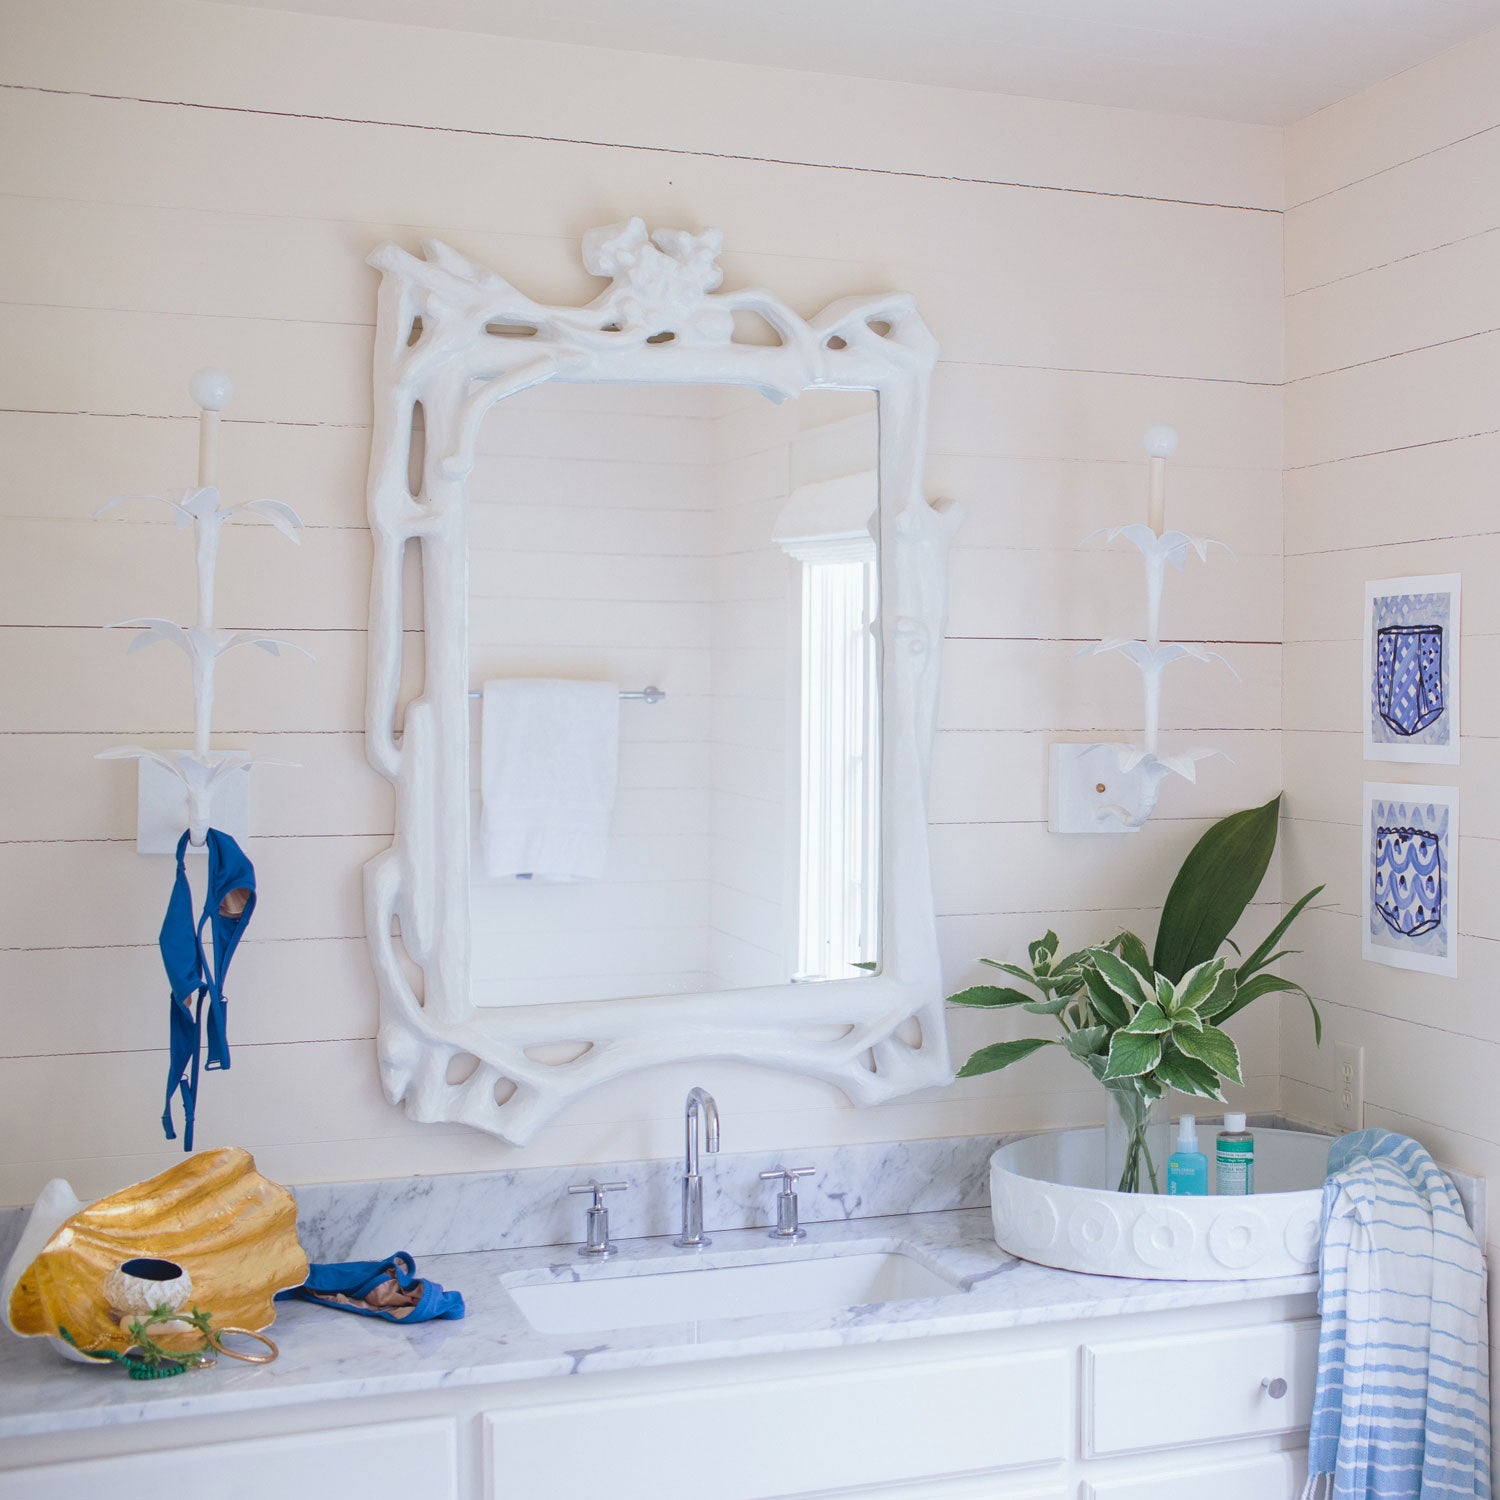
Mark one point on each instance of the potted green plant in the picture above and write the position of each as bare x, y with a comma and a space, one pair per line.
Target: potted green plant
1145, 1023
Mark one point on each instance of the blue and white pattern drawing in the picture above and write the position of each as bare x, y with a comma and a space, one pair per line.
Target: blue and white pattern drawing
1410, 877
1411, 669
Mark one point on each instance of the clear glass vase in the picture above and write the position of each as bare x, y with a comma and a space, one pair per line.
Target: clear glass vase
1137, 1141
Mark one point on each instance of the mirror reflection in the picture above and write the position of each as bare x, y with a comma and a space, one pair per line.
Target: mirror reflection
722, 832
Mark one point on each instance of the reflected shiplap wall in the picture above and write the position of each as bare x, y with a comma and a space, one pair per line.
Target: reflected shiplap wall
1393, 446
186, 182
591, 522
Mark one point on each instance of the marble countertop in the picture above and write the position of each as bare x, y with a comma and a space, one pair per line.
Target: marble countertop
329, 1356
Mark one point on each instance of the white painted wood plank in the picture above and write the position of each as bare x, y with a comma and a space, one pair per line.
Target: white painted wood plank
51, 787
1409, 495
1417, 112
150, 694
94, 894
87, 572
1217, 274
319, 471
1427, 396
1416, 206
300, 65
1097, 592
1325, 592
1439, 295
116, 999
1019, 684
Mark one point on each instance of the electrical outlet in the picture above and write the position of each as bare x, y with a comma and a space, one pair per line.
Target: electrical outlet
1348, 1086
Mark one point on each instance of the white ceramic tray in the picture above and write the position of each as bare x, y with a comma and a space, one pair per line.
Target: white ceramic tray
1050, 1206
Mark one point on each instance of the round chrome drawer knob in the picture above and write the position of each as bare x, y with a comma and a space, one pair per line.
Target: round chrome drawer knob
1275, 1389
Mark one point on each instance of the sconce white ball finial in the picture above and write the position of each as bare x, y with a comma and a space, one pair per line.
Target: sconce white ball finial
211, 388
1161, 440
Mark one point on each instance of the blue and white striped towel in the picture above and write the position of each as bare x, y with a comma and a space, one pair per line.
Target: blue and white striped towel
1402, 1410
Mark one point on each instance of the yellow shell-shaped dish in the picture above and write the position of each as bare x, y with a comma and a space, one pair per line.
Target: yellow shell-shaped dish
231, 1230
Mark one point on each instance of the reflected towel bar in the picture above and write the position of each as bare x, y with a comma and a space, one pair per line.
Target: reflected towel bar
652, 694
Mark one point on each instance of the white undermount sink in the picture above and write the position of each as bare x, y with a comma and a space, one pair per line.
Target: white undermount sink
657, 1292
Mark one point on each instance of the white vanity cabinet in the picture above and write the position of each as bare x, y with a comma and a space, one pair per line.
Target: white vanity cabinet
1171, 1404
395, 1461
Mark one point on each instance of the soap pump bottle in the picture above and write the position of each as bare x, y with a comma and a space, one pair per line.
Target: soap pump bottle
1187, 1166
1234, 1158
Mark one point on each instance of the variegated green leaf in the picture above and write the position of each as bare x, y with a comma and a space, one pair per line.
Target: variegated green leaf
1131, 986
1211, 1046
1150, 1020
1130, 1055
1188, 1076
1107, 1005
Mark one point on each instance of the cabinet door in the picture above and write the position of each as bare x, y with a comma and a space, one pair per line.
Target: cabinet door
802, 1436
398, 1461
1178, 1390
1277, 1476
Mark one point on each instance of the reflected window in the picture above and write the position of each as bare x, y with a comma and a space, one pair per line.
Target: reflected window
839, 905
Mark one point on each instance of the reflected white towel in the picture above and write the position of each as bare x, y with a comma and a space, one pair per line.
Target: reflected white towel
549, 762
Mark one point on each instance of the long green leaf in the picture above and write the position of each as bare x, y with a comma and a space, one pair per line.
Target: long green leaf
1262, 956
1271, 984
1054, 1007
1130, 1056
1216, 883
991, 995
1214, 1047
1001, 1055
1014, 970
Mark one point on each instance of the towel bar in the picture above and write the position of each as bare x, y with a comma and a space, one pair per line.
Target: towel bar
652, 694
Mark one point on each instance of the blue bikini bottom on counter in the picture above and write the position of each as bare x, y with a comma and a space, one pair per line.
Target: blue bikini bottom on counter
388, 1289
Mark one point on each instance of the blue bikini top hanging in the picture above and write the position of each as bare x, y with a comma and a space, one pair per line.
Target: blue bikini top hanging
196, 978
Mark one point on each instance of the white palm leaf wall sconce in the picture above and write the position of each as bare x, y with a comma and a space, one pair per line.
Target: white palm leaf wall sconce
193, 789
1113, 787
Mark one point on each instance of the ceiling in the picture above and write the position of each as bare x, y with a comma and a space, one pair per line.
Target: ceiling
1265, 61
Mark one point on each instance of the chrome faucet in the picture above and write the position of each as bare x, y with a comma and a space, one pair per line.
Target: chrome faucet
700, 1107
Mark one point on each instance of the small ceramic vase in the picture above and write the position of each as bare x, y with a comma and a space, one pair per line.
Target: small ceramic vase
136, 1288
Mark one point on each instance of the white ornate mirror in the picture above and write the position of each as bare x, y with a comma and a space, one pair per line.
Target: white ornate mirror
639, 513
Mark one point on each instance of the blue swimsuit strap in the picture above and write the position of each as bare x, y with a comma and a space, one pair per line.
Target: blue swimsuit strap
231, 878
193, 978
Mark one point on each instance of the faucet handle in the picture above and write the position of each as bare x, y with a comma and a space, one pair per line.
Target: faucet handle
598, 1189
789, 1176
596, 1241
787, 1227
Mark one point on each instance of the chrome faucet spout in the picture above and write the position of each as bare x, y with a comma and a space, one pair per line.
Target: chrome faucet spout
699, 1110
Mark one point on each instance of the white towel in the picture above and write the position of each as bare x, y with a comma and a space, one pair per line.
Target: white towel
549, 761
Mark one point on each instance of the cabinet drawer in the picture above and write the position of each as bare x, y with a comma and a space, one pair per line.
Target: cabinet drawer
1277, 1476
1203, 1388
395, 1462
758, 1440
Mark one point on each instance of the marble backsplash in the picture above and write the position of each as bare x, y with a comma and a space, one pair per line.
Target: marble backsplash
530, 1207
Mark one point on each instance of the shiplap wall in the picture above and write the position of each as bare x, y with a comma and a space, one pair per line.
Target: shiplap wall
1393, 448
186, 183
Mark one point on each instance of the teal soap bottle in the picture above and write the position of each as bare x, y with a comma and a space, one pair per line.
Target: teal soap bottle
1187, 1166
